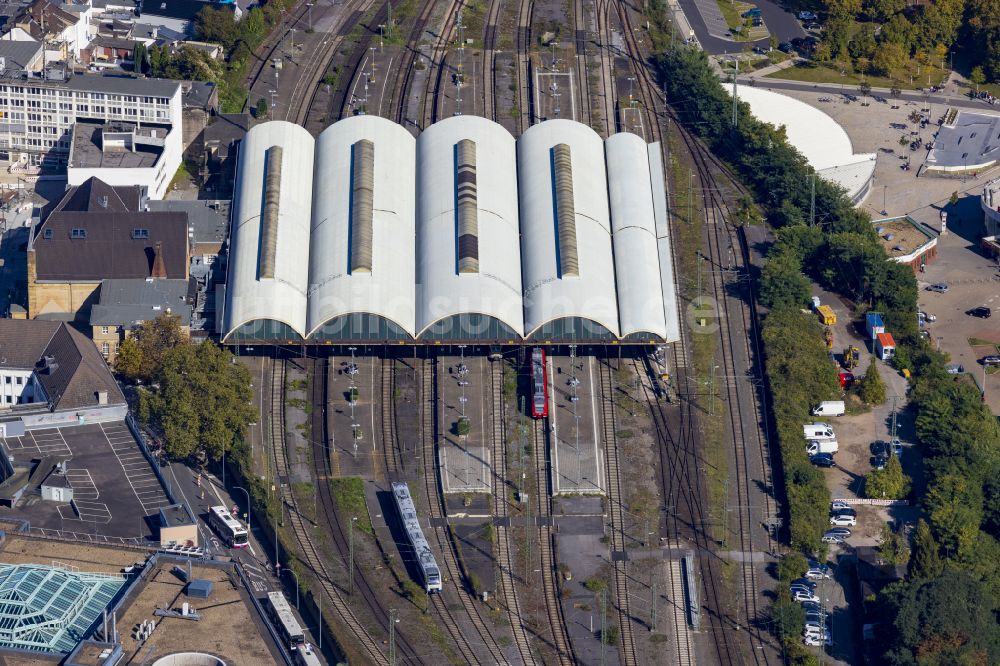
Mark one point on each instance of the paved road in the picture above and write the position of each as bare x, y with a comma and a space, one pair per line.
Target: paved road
949, 99
703, 17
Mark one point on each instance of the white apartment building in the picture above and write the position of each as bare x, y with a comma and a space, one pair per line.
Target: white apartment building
38, 116
19, 387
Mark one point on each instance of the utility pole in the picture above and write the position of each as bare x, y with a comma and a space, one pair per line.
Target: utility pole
604, 625
690, 197
736, 68
392, 636
894, 415
652, 608
350, 550
812, 198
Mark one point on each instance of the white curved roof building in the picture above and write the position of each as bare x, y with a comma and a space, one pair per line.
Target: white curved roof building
361, 263
633, 234
820, 138
567, 261
366, 234
269, 237
468, 259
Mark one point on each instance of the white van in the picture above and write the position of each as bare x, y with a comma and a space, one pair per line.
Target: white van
815, 446
818, 431
829, 408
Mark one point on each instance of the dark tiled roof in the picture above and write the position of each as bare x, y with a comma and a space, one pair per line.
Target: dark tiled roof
78, 371
108, 249
126, 302
178, 9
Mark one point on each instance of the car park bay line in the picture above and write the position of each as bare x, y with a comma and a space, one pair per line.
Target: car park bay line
135, 473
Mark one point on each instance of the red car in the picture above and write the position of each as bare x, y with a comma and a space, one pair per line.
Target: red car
846, 379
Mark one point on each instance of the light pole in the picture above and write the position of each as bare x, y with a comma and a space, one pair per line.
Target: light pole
350, 549
310, 6
296, 577
248, 503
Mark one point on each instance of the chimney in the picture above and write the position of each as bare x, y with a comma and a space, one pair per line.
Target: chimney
159, 268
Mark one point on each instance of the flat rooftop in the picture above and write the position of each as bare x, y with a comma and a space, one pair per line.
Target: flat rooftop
971, 141
114, 487
229, 626
901, 236
89, 150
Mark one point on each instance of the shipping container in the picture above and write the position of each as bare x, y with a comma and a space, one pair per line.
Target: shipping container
874, 324
826, 315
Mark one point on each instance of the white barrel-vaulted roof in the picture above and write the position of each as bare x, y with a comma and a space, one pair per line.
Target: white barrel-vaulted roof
494, 289
637, 263
386, 287
269, 241
551, 289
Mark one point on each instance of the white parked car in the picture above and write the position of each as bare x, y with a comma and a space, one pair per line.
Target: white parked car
843, 520
816, 640
802, 595
839, 506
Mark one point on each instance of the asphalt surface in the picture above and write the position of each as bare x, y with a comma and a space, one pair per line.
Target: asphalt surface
949, 99
780, 22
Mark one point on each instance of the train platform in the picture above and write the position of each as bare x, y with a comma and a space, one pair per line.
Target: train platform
352, 428
576, 452
464, 451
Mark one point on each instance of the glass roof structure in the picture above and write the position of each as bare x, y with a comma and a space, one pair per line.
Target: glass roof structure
50, 609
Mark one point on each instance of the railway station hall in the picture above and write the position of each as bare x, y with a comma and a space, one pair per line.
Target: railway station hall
367, 235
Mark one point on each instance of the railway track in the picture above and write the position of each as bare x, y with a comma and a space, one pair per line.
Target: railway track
389, 451
491, 30
402, 87
506, 587
522, 45
609, 93
739, 342
307, 550
546, 540
582, 37
616, 515
431, 102
442, 536
271, 44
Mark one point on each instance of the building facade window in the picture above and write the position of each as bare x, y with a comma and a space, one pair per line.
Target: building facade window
104, 330
105, 349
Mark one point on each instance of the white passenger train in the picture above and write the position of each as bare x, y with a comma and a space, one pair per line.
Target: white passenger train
425, 558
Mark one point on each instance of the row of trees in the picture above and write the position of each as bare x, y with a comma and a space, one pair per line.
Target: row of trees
238, 38
195, 395
959, 437
895, 34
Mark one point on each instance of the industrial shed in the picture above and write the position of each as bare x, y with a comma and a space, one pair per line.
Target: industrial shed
567, 261
468, 258
269, 251
361, 258
463, 234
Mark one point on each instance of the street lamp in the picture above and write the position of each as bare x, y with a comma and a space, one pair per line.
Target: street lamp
296, 577
248, 503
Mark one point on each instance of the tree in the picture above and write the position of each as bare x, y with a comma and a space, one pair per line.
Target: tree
151, 341
789, 618
894, 547
203, 403
953, 200
943, 620
881, 11
977, 76
217, 25
140, 58
926, 561
260, 110
954, 505
888, 58
871, 388
782, 283
888, 483
791, 566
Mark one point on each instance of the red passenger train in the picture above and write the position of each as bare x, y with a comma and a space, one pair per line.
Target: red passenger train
539, 384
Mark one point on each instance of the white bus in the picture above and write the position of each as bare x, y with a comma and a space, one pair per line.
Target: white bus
284, 621
227, 527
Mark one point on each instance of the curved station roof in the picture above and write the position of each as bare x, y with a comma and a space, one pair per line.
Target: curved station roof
820, 139
462, 234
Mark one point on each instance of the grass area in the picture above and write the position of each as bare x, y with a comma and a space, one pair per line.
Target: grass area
980, 342
813, 72
182, 177
741, 28
349, 496
305, 495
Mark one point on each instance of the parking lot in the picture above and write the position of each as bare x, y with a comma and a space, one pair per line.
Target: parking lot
114, 487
